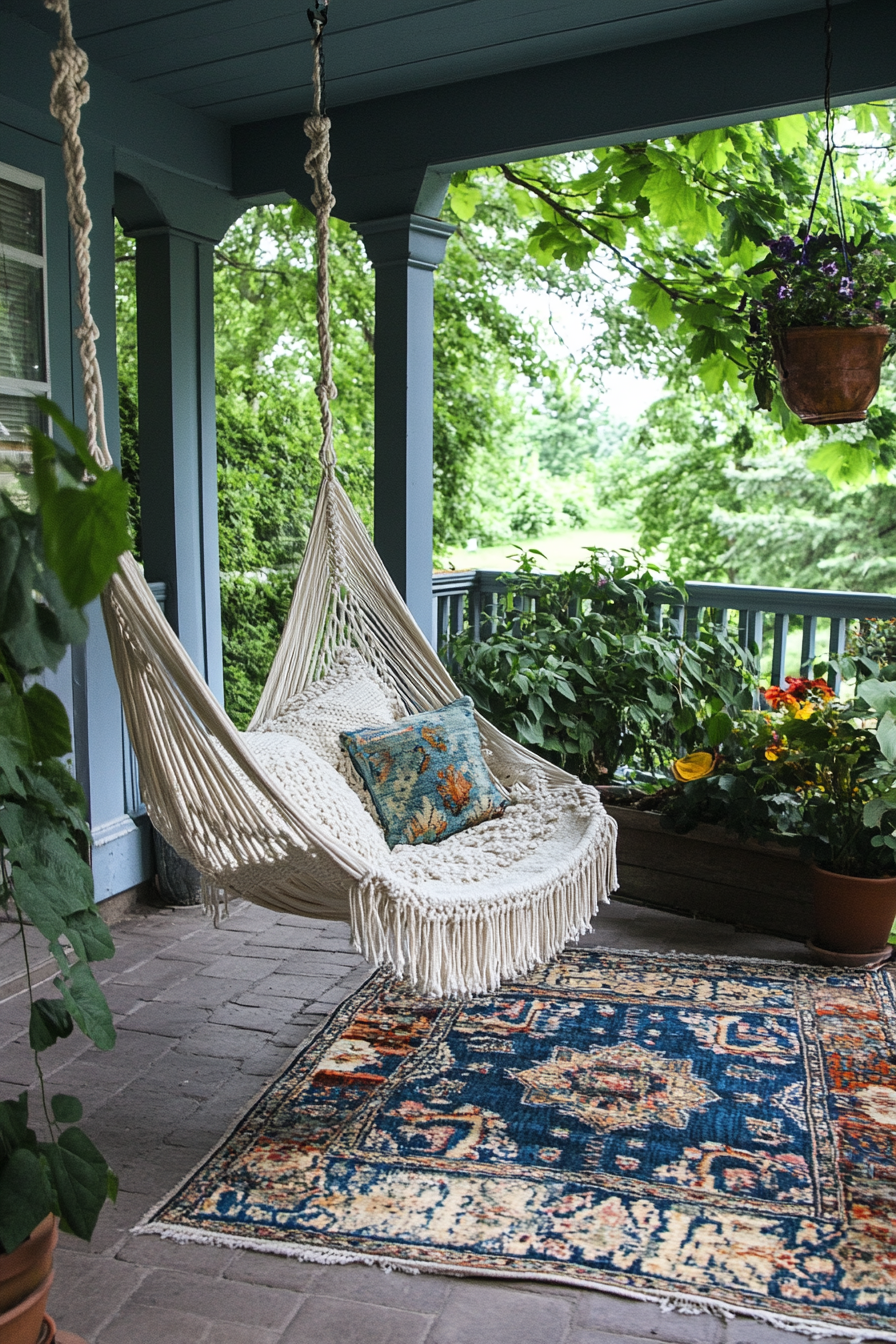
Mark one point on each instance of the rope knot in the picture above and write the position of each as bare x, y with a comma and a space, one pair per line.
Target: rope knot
70, 91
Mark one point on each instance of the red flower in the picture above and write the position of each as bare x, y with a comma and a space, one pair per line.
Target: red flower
797, 689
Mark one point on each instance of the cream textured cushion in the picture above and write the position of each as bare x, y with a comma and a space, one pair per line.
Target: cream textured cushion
351, 695
319, 792
540, 834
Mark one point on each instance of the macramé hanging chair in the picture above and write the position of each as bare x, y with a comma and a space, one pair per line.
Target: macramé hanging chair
262, 817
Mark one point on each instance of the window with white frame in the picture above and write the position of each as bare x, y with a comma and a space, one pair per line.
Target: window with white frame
23, 318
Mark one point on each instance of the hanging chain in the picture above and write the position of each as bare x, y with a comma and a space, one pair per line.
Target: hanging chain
317, 160
828, 157
69, 93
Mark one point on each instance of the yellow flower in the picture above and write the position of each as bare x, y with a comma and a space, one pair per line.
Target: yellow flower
805, 711
772, 753
696, 765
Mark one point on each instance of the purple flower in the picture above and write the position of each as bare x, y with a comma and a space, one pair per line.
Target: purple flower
828, 268
878, 304
847, 287
783, 248
784, 291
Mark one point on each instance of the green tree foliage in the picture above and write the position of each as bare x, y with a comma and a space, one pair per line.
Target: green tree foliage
684, 221
724, 496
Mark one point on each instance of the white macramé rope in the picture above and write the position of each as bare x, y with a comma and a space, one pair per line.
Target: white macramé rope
69, 93
317, 161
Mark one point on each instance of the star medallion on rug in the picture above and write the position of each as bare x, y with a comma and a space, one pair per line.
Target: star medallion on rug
705, 1131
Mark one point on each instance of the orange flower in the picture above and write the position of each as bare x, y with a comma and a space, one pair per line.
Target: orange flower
777, 697
696, 765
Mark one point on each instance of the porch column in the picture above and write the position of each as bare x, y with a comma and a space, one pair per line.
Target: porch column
178, 467
405, 251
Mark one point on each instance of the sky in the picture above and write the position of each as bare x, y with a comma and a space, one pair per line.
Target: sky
626, 394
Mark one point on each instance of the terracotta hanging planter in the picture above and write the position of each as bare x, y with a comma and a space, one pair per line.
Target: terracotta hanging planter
830, 375
853, 918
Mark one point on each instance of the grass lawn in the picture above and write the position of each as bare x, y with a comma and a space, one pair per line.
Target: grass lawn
561, 549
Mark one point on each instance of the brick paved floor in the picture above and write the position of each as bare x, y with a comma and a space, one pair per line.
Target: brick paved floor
204, 1017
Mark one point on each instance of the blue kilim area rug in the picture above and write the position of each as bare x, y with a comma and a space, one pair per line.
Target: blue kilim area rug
705, 1132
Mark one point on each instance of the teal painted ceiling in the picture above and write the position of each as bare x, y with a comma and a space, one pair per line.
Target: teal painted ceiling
244, 60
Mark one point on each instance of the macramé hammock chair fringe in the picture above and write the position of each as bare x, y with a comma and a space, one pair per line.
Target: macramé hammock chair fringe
212, 800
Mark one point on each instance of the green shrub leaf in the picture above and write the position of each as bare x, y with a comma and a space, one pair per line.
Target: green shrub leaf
80, 1174
50, 1021
25, 1197
47, 723
87, 1004
67, 1110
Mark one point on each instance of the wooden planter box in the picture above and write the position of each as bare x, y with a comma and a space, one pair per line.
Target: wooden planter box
709, 874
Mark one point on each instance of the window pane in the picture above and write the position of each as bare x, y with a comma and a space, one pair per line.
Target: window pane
21, 321
16, 414
20, 217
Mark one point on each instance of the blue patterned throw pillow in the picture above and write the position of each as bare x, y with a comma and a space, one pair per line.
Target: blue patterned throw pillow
426, 774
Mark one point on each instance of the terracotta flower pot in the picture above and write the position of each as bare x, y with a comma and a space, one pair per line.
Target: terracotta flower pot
28, 1265
830, 375
24, 1323
853, 916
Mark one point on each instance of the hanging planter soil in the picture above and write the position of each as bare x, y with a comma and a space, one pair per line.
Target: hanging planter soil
853, 918
830, 375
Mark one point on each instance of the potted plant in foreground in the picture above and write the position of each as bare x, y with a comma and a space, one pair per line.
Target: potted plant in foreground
60, 537
809, 771
822, 325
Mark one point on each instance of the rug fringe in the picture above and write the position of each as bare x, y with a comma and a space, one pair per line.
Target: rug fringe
684, 1304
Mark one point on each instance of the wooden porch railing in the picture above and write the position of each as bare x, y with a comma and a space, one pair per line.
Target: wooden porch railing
476, 597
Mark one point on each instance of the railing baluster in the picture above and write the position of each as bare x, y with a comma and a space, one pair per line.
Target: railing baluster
807, 653
457, 621
779, 648
488, 614
442, 621
676, 621
836, 647
475, 610
691, 621
749, 631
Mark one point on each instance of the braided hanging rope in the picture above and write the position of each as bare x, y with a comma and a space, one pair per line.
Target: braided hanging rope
68, 95
317, 162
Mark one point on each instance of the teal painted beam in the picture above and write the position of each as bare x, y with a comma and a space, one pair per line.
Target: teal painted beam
383, 149
132, 118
